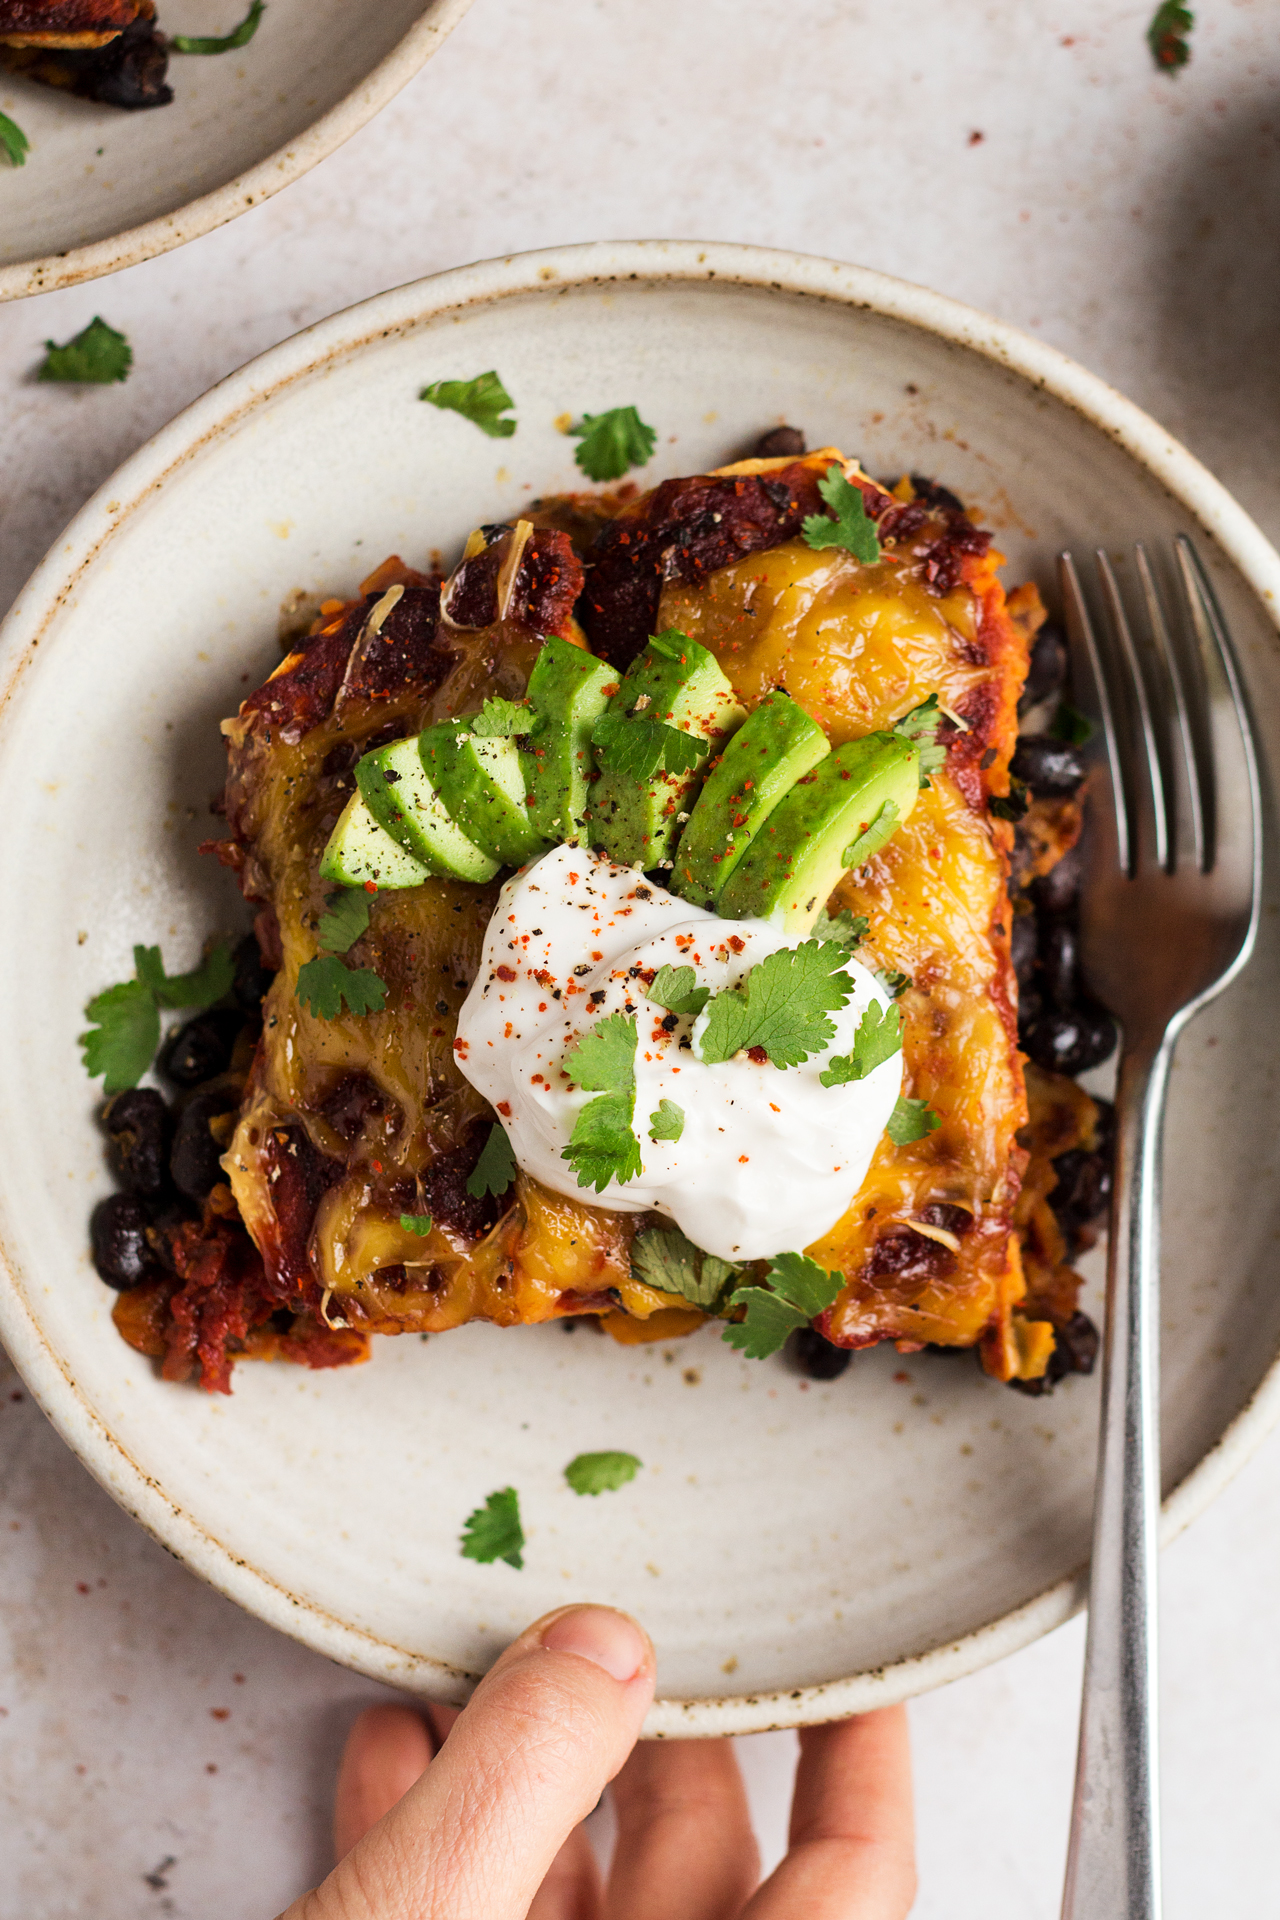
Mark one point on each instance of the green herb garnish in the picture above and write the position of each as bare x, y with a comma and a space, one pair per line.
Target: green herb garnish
326, 982
801, 1290
493, 1531
238, 37
665, 1258
878, 1038
496, 1168
613, 442
636, 747
122, 1042
782, 1006
603, 1146
852, 528
1014, 804
346, 918
483, 401
14, 141
601, 1472
1071, 725
95, 357
499, 720
921, 726
666, 1122
1167, 35
911, 1120
419, 1223
848, 929
873, 837
677, 989
895, 984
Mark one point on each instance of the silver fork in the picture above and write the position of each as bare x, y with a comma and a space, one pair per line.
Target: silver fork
1169, 911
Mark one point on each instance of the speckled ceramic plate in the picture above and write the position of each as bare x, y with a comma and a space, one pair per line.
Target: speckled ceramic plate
797, 1550
103, 189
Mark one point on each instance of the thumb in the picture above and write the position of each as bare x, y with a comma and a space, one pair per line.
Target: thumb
548, 1726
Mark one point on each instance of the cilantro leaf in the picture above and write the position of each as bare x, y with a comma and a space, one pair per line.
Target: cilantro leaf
200, 988
483, 401
326, 982
1167, 35
601, 1472
801, 1290
603, 1145
666, 1122
921, 725
238, 37
603, 1058
14, 141
496, 1168
664, 1258
895, 984
848, 929
872, 837
1071, 725
346, 919
499, 720
96, 356
911, 1120
782, 1006
1012, 805
122, 1042
677, 989
613, 442
635, 747
419, 1223
493, 1531
878, 1038
852, 528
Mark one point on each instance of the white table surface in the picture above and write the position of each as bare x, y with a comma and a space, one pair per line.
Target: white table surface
1128, 218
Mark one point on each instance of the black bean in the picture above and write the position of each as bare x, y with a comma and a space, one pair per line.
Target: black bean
779, 443
201, 1047
817, 1356
138, 1126
1075, 1349
1058, 890
1071, 1042
193, 1161
1083, 1192
252, 977
1024, 942
1047, 671
118, 1237
932, 494
1060, 965
941, 1213
1049, 767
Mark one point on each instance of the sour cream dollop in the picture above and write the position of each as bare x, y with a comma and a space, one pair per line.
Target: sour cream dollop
769, 1158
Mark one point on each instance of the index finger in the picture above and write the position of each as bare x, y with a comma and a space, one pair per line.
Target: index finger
852, 1851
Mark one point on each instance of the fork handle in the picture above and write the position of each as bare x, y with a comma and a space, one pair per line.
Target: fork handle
1113, 1859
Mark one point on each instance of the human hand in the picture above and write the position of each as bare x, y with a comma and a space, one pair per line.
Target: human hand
486, 1823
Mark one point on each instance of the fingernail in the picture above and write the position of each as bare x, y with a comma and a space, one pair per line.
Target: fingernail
608, 1639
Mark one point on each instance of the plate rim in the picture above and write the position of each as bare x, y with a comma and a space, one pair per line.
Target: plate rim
45, 273
554, 271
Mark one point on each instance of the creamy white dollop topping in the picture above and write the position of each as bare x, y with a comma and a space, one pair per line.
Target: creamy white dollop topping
769, 1158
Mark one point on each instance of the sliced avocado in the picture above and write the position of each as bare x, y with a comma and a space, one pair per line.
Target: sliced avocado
778, 744
481, 783
402, 797
677, 684
832, 819
568, 690
360, 850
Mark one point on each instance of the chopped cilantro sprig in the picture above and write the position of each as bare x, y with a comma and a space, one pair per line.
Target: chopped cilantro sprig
122, 1041
484, 401
500, 720
666, 1122
221, 43
14, 141
801, 1290
96, 356
1167, 36
493, 1531
496, 1168
596, 1473
921, 727
878, 1038
603, 1145
667, 1259
636, 747
911, 1120
677, 989
419, 1223
782, 1006
851, 526
613, 442
326, 983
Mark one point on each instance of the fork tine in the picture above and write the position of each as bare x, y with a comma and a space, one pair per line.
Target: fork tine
1084, 642
1148, 802
1185, 798
1231, 783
